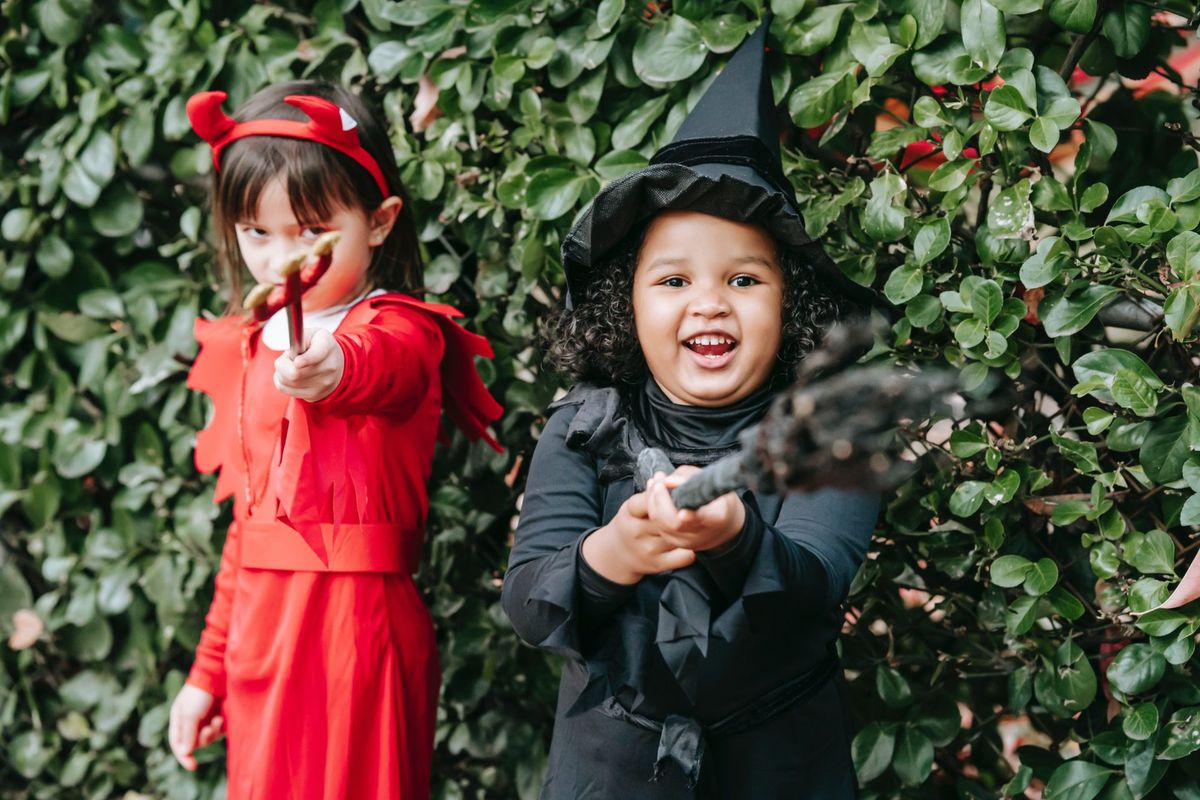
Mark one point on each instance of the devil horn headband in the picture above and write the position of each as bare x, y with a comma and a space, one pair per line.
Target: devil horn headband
327, 124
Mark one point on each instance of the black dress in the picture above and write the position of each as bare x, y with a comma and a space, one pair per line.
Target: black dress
717, 681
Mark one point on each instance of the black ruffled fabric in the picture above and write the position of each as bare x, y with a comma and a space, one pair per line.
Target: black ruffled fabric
701, 644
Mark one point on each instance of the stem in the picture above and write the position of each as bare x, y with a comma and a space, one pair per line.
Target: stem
1081, 44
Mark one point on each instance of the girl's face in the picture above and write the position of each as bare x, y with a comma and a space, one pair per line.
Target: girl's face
274, 233
708, 307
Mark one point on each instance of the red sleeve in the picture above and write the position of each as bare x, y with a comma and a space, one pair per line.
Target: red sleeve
390, 363
208, 670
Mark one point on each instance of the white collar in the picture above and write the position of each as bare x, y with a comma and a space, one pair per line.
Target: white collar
275, 332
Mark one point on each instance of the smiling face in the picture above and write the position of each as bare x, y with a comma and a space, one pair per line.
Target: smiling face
273, 233
708, 307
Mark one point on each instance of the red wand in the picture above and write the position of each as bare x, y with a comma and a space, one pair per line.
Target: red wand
265, 299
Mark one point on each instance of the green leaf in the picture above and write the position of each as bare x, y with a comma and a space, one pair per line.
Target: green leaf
888, 142
1093, 197
1127, 26
1052, 256
1151, 553
1081, 454
636, 125
553, 192
1127, 205
1165, 449
893, 689
814, 102
1010, 571
118, 212
1140, 722
1104, 559
970, 332
1185, 189
1076, 780
1044, 134
1041, 577
872, 751
1183, 734
983, 32
608, 13
617, 163
934, 64
669, 52
816, 31
1130, 390
1066, 315
967, 498
1136, 669
1183, 254
873, 48
986, 300
885, 214
904, 284
913, 758
724, 32
1010, 216
1018, 6
1006, 109
1073, 678
1074, 15
951, 175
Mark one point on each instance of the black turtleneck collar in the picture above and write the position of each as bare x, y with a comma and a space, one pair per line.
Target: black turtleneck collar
694, 434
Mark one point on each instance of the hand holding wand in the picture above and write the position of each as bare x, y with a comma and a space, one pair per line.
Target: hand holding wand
825, 430
265, 299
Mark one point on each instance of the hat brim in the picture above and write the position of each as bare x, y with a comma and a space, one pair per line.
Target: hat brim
732, 191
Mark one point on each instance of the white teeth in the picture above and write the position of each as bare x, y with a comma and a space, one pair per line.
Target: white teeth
709, 340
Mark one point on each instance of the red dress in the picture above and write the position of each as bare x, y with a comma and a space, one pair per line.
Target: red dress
317, 641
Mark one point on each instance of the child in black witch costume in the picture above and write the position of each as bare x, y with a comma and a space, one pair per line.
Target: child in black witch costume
700, 646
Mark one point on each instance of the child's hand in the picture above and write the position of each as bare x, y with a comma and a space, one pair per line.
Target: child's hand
192, 725
631, 546
315, 373
706, 528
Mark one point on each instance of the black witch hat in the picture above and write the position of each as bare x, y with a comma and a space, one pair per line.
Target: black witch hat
724, 161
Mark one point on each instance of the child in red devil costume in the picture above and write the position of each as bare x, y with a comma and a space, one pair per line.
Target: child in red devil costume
318, 659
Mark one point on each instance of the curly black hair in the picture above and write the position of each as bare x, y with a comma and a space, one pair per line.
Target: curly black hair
596, 341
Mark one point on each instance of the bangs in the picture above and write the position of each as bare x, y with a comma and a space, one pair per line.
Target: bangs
319, 180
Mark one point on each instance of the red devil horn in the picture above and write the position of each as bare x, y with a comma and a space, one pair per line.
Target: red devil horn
207, 118
327, 118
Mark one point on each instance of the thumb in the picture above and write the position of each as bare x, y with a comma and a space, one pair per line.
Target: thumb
317, 342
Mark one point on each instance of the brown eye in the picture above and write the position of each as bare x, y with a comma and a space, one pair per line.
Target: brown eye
742, 281
674, 282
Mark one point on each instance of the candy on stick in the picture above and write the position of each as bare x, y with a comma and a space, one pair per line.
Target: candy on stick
265, 299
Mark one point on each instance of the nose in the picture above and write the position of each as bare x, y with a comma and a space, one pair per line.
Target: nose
708, 302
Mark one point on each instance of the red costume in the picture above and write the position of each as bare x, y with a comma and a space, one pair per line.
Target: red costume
317, 639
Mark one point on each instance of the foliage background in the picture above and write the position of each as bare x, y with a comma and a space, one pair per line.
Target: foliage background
1006, 227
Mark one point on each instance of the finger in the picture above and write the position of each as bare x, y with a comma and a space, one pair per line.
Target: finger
680, 475
676, 559
635, 506
182, 741
661, 509
285, 369
316, 348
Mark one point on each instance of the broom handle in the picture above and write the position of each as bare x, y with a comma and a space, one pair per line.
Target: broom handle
718, 478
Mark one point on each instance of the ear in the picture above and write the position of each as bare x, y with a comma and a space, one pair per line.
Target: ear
383, 219
327, 118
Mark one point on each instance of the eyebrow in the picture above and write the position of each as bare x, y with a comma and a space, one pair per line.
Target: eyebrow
674, 261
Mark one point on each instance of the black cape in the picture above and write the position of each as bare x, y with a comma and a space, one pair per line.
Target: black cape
734, 658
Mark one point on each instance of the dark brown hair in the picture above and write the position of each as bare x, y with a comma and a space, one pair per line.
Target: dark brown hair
319, 179
597, 342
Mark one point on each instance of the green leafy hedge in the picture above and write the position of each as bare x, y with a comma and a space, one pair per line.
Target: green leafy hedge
1019, 241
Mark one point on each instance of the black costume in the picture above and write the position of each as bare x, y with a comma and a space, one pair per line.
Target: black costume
720, 680
741, 643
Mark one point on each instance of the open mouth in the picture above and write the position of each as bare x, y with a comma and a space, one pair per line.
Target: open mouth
711, 345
